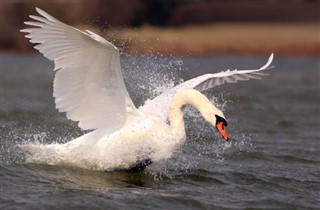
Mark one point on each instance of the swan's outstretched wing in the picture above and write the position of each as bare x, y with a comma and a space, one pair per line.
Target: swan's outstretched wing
161, 103
88, 83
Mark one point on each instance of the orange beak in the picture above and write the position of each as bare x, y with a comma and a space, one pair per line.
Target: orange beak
222, 130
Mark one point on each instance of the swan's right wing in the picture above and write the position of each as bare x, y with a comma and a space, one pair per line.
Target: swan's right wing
161, 103
88, 83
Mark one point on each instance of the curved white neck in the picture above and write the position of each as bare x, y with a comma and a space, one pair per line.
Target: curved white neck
195, 99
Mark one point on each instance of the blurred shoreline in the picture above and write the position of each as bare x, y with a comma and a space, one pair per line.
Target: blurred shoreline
218, 38
189, 27
221, 38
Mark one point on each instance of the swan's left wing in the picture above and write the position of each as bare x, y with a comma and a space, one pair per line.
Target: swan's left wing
161, 103
88, 83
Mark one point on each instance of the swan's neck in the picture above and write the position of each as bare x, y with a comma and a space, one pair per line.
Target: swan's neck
195, 99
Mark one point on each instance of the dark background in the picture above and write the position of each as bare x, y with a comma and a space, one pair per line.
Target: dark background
159, 13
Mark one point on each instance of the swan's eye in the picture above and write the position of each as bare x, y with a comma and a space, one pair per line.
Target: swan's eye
221, 119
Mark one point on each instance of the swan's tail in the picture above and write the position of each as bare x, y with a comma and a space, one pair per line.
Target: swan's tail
39, 153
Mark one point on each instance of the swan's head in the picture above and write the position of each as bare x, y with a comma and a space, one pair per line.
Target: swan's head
221, 125
215, 117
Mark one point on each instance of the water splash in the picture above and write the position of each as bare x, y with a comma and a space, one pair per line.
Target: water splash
12, 140
10, 146
151, 75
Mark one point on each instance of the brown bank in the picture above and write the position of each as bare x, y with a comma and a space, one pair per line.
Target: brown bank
190, 28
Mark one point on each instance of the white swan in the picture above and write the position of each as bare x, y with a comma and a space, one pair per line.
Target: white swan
89, 87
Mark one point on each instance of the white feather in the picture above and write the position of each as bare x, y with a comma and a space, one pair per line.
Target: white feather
88, 84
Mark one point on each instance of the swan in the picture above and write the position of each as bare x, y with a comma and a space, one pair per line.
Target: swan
89, 87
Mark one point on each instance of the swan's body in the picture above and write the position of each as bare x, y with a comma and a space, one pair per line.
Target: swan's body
89, 87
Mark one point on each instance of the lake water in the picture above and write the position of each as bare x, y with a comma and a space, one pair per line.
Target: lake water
273, 161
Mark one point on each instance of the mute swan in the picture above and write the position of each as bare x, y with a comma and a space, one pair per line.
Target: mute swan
89, 87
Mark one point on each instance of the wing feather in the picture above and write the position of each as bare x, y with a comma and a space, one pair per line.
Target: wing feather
161, 103
88, 83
